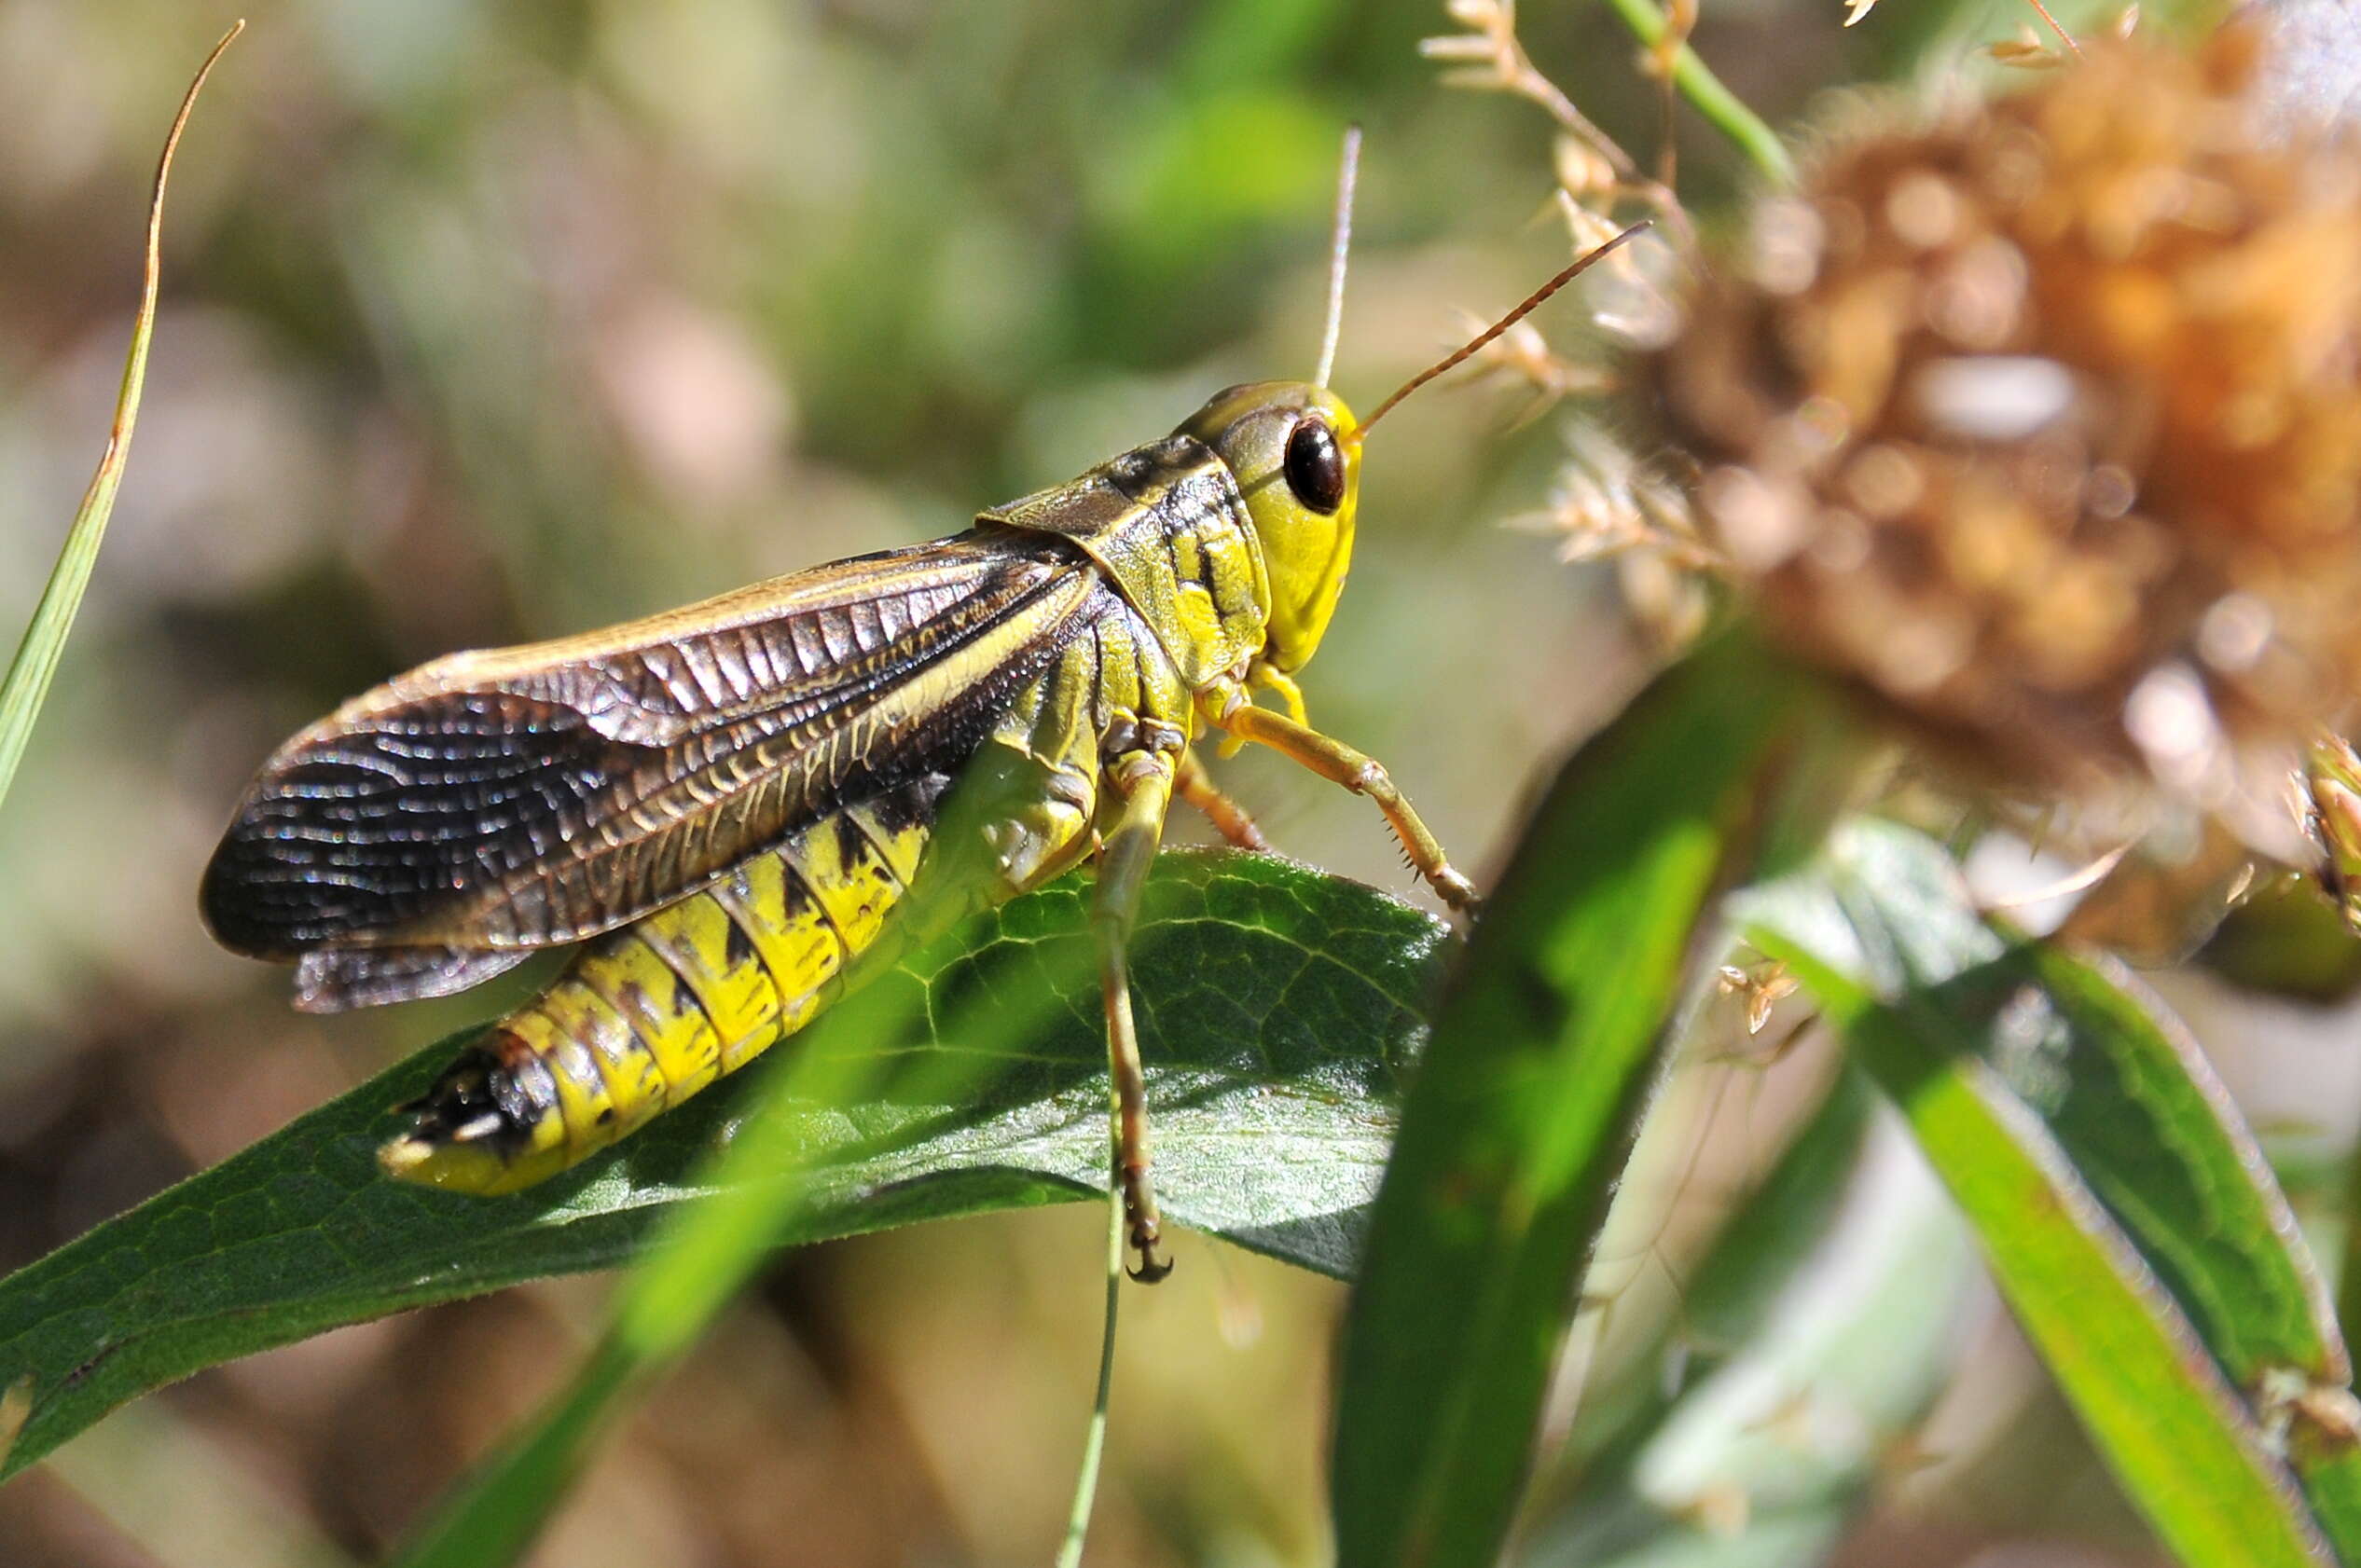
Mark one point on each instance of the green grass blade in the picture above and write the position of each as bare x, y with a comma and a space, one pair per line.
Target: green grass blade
27, 685
1999, 1054
1277, 1008
1521, 1120
499, 1511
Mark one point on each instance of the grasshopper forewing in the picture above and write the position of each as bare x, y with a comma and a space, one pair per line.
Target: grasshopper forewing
745, 806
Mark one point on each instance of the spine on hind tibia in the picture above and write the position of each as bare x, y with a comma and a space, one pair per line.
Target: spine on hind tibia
650, 1014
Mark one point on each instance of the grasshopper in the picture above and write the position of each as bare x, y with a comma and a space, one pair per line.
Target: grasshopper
744, 806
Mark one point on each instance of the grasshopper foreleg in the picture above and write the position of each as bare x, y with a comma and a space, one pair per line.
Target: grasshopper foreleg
1356, 770
1145, 780
1233, 821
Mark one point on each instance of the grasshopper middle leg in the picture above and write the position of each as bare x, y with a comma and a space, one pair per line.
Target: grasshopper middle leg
1145, 780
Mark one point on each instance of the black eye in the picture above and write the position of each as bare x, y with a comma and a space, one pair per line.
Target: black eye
1316, 467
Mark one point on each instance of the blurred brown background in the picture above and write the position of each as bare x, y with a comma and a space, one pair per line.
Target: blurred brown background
490, 321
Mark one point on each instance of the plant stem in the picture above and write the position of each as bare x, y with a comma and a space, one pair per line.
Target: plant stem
1704, 91
1095, 1442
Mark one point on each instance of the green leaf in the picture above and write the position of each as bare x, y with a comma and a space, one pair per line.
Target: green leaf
1521, 1120
767, 1189
2119, 1082
1277, 1006
2116, 1197
2327, 1463
27, 683
2140, 1111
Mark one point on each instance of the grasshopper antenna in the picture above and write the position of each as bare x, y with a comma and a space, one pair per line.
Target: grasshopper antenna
1338, 249
1532, 302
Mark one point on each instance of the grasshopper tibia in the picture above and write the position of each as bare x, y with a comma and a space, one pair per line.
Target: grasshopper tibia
1145, 778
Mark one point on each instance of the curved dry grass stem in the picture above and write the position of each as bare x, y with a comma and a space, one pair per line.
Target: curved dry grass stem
27, 685
1489, 54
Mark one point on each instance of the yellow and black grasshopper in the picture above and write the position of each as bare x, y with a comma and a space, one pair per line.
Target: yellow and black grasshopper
745, 806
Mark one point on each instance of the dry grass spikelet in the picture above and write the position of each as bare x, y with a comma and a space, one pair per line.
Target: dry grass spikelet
2042, 421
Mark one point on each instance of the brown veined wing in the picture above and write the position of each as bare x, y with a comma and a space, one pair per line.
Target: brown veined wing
444, 826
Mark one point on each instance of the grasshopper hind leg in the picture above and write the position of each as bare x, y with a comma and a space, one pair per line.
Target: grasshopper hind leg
1145, 781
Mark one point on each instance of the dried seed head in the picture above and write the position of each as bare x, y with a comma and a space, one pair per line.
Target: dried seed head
2042, 423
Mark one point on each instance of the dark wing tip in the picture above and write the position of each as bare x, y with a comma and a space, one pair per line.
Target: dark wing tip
376, 822
237, 920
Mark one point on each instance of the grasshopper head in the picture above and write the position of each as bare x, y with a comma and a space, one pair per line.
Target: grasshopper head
1293, 449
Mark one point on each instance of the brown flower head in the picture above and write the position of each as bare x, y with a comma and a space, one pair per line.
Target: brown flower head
2041, 422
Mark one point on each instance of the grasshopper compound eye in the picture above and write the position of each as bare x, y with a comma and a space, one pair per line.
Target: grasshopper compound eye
1315, 466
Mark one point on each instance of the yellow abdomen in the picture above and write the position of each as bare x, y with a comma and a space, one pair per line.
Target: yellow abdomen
650, 1014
